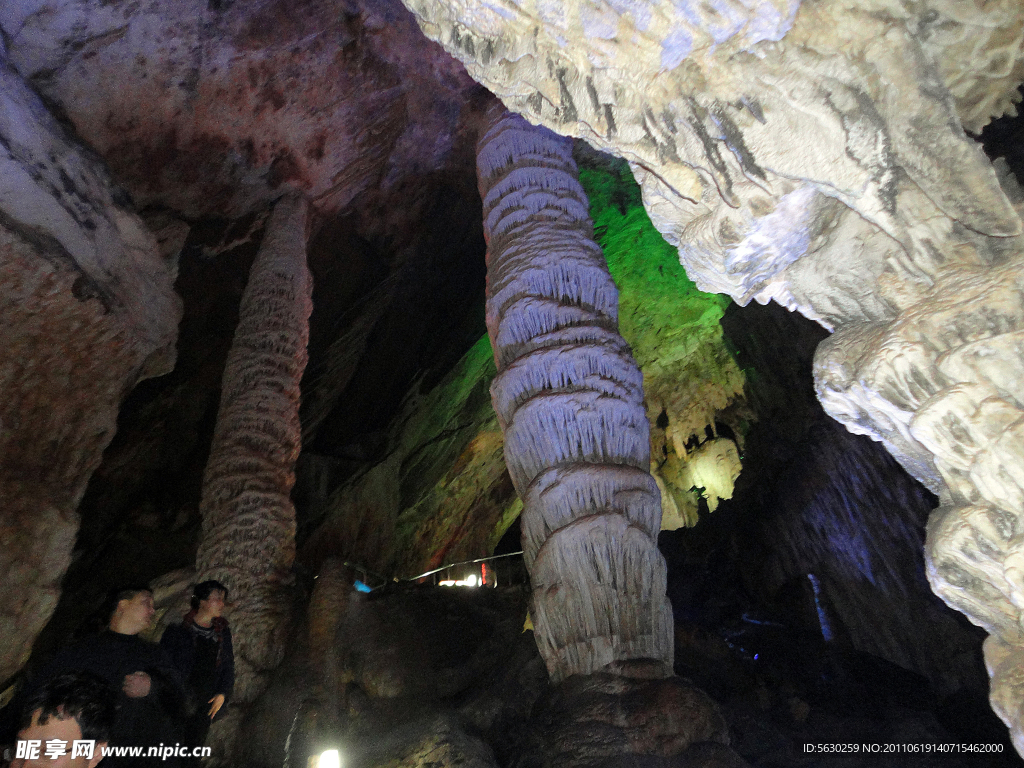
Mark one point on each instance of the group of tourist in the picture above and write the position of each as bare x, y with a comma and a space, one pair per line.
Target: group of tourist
117, 690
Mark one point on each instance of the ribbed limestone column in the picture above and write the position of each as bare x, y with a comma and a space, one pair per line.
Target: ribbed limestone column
248, 519
569, 399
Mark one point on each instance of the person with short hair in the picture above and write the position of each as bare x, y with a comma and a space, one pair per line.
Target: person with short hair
66, 722
201, 649
150, 691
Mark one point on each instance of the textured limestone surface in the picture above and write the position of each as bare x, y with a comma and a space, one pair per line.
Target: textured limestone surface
569, 400
978, 55
440, 495
691, 381
755, 136
624, 715
87, 310
248, 540
441, 741
417, 675
445, 495
219, 108
814, 154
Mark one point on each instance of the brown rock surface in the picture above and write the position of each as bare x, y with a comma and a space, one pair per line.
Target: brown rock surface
625, 718
218, 108
86, 311
208, 112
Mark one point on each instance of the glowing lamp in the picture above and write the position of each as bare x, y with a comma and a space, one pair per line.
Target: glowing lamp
329, 758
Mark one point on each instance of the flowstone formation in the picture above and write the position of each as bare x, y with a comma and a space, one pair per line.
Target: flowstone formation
78, 266
568, 395
692, 384
814, 154
441, 493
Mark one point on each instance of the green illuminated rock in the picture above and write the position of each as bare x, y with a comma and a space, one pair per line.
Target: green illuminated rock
690, 378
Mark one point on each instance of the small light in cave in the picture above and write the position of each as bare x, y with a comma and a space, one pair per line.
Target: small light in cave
329, 758
469, 581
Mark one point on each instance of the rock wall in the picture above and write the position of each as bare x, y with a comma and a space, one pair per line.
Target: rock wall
814, 154
87, 310
441, 494
692, 384
815, 499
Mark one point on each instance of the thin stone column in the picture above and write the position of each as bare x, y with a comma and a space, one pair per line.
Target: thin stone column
248, 519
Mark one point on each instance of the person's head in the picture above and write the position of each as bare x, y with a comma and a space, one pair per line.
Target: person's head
209, 597
133, 610
79, 706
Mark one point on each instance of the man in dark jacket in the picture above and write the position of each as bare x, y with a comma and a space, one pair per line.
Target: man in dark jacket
150, 690
200, 648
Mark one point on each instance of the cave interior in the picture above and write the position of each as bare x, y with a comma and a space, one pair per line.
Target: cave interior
165, 133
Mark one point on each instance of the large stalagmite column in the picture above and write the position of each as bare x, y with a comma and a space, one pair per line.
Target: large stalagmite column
248, 518
569, 399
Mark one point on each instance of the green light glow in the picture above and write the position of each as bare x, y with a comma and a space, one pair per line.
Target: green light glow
690, 377
454, 500
659, 306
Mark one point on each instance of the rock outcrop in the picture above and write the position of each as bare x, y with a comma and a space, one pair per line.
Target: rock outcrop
87, 309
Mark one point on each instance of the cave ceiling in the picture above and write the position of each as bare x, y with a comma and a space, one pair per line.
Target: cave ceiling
207, 109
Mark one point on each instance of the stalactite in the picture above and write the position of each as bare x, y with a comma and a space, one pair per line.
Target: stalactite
569, 399
248, 519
